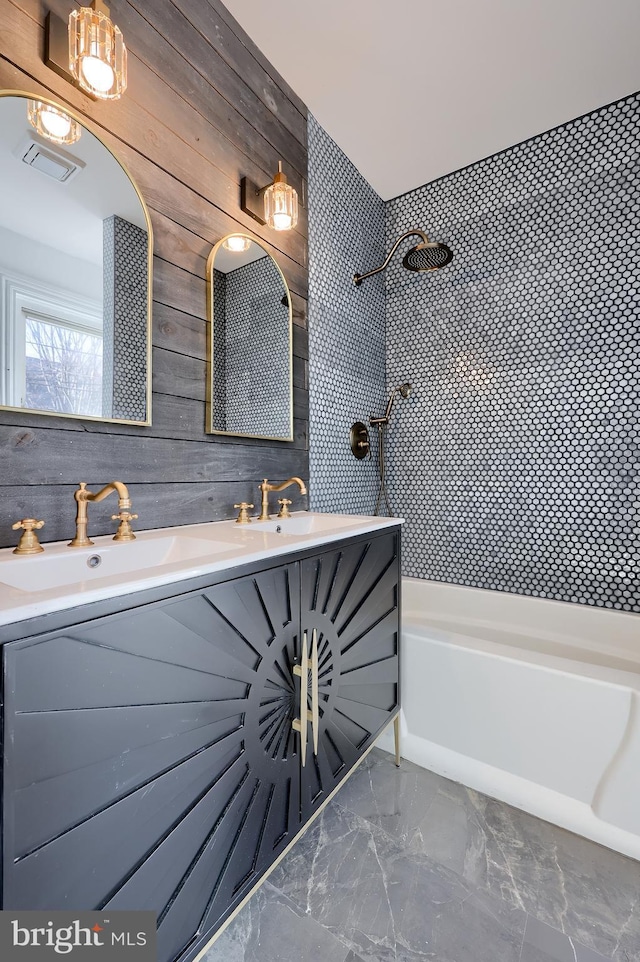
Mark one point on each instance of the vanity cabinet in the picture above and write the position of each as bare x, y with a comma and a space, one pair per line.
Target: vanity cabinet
149, 756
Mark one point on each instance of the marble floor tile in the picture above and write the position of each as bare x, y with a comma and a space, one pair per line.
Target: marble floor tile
389, 904
423, 811
542, 943
406, 866
587, 891
397, 805
269, 929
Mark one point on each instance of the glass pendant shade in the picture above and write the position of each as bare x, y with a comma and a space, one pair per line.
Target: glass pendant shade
280, 203
52, 123
97, 54
236, 243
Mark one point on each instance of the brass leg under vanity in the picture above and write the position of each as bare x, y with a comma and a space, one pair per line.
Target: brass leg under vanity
396, 738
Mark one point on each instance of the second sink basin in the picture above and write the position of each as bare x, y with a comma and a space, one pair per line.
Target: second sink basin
63, 566
301, 524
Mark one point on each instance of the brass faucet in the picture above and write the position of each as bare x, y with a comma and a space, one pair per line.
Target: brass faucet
265, 488
82, 498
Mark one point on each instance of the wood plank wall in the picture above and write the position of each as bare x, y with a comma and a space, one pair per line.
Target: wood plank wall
203, 109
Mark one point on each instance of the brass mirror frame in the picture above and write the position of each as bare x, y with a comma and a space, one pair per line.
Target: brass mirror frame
87, 125
211, 347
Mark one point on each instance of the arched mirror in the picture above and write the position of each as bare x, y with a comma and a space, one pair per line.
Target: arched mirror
75, 270
250, 381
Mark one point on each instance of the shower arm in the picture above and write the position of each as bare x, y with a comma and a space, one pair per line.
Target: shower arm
358, 278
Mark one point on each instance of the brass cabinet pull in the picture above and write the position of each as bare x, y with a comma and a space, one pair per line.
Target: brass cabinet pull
302, 670
298, 725
314, 690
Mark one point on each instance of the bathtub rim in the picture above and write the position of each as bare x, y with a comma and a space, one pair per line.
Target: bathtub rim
588, 620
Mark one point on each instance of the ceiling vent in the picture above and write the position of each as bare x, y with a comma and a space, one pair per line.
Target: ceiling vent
48, 159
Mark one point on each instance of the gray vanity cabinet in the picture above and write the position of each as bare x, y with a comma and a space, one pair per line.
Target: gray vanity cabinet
149, 756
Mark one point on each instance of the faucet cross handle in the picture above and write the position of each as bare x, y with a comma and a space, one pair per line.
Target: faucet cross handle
284, 508
28, 543
124, 532
243, 514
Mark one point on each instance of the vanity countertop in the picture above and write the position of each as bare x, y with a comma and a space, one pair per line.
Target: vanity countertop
62, 577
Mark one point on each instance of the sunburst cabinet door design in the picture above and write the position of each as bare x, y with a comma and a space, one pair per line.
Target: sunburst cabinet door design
151, 762
350, 599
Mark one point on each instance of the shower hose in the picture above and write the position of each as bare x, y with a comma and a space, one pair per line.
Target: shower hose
382, 471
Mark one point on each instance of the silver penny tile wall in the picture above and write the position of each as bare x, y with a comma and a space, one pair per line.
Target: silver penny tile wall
346, 325
515, 461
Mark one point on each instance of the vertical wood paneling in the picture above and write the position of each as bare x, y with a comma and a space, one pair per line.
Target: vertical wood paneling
203, 109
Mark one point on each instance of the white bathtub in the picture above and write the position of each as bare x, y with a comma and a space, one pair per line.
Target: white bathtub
530, 701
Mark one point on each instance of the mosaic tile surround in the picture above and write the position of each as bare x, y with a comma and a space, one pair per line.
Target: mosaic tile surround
515, 462
346, 325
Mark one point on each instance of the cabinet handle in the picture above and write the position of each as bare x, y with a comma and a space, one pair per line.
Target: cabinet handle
314, 690
298, 724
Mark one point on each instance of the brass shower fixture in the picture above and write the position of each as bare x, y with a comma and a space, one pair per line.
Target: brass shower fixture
426, 256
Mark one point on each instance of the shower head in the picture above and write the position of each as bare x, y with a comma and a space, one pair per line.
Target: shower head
426, 256
404, 390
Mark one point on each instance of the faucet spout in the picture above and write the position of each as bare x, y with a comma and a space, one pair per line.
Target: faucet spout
124, 501
288, 483
265, 487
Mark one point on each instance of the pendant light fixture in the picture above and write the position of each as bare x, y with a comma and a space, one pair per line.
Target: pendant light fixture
52, 123
88, 51
280, 203
275, 205
97, 54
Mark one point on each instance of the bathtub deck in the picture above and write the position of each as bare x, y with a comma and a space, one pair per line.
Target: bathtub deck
406, 866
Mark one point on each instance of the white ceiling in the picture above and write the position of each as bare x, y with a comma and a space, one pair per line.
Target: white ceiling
413, 90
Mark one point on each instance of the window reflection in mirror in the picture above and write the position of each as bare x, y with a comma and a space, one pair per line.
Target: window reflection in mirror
250, 377
74, 274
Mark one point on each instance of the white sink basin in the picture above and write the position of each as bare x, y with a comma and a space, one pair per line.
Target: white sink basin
305, 524
60, 567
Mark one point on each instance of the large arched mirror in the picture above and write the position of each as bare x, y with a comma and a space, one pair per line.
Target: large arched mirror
75, 270
250, 381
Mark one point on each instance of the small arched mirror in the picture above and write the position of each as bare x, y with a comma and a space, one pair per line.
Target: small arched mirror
250, 382
75, 270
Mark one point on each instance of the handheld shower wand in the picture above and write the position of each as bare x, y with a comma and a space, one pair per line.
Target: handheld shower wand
404, 390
